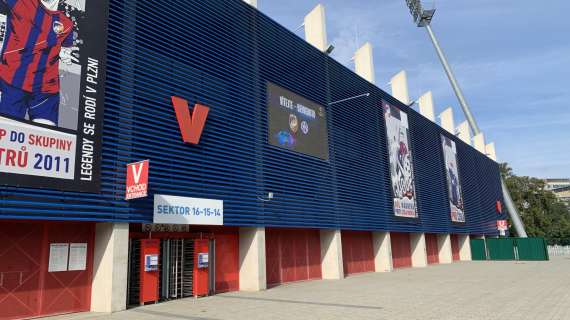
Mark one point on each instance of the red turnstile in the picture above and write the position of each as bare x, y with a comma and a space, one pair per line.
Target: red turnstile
201, 267
149, 270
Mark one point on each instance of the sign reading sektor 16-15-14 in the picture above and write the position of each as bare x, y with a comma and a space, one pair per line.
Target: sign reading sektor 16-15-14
183, 210
52, 81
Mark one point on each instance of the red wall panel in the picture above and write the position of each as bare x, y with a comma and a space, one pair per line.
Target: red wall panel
21, 252
288, 255
401, 252
314, 254
68, 291
227, 262
432, 248
455, 247
292, 255
272, 257
357, 252
28, 289
301, 256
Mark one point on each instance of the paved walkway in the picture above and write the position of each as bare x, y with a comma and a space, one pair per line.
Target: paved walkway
474, 290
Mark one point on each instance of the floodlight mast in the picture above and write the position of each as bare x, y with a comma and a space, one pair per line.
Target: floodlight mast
423, 18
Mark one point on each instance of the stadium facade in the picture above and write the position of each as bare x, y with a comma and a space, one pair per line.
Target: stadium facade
260, 171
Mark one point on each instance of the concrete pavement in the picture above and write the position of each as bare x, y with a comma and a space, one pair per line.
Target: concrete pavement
471, 290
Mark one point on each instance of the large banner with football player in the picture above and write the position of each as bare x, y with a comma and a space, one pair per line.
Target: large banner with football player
453, 182
52, 81
401, 162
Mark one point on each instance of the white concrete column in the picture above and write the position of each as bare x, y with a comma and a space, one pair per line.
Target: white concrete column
419, 250
490, 151
464, 132
447, 121
382, 252
464, 247
427, 108
331, 254
364, 62
444, 248
316, 28
399, 84
479, 142
252, 3
252, 271
110, 267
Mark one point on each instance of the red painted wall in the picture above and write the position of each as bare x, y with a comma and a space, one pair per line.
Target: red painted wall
357, 252
227, 262
401, 252
432, 248
455, 247
292, 255
28, 289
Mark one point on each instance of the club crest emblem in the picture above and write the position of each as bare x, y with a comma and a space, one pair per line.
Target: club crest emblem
58, 27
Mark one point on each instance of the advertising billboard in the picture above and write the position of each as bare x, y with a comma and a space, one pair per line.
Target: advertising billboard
401, 162
296, 123
453, 182
52, 81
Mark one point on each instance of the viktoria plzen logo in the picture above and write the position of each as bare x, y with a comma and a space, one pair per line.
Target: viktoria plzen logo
191, 126
137, 180
58, 27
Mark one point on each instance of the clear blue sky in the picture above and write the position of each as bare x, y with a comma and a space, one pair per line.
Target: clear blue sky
512, 59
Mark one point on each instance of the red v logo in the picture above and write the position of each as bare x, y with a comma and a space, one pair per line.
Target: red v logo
191, 126
137, 172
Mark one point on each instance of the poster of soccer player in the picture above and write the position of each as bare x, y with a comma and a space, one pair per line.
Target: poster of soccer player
52, 81
453, 183
401, 163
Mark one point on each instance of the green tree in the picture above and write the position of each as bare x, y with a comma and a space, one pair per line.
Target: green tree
542, 213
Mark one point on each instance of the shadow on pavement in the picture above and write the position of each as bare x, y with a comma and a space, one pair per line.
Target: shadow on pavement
166, 315
304, 302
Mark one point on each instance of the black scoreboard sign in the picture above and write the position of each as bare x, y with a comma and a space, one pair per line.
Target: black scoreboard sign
296, 123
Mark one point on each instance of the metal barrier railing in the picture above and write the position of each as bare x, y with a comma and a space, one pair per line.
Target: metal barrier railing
559, 251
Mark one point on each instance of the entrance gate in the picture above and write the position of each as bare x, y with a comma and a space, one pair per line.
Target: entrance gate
179, 274
177, 268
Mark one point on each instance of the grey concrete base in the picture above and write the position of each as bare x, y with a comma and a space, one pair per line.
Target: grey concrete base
445, 253
382, 252
331, 254
252, 270
109, 285
418, 250
464, 247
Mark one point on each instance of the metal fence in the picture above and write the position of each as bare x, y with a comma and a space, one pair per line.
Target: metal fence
557, 251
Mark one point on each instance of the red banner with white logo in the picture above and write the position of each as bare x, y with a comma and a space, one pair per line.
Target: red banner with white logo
502, 225
137, 180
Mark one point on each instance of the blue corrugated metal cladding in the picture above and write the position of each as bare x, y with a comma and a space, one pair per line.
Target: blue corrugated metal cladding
222, 54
